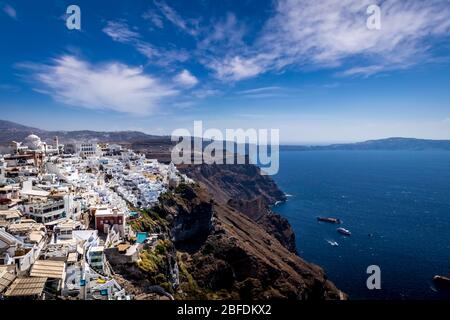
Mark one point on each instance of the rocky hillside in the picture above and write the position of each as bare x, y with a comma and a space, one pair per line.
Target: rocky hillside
211, 250
10, 131
243, 188
222, 253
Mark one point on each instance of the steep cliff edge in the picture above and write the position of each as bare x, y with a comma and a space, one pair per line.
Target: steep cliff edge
246, 190
218, 239
233, 257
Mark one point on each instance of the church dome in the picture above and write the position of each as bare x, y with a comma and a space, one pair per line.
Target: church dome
33, 142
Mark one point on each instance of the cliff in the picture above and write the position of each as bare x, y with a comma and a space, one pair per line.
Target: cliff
224, 254
243, 188
220, 240
210, 250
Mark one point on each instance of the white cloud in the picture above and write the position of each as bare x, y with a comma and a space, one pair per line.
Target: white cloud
226, 34
264, 93
154, 18
236, 68
189, 26
112, 86
161, 56
206, 92
10, 11
186, 79
362, 71
120, 32
306, 35
261, 90
330, 33
326, 33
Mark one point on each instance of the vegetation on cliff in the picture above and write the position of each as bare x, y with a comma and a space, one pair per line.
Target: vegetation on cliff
210, 249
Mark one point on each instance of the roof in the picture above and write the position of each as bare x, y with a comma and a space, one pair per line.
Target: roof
123, 247
10, 214
8, 238
9, 187
26, 287
5, 278
68, 224
106, 211
25, 227
36, 236
48, 269
36, 193
85, 234
97, 249
103, 211
72, 257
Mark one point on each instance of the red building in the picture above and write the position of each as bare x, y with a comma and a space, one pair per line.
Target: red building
106, 218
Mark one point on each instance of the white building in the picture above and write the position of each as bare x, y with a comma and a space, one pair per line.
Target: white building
95, 257
46, 208
35, 144
83, 149
22, 244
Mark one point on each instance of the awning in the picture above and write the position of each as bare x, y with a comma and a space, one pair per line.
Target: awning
49, 269
26, 287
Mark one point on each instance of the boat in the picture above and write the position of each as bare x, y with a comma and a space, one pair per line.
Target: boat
329, 220
344, 231
442, 281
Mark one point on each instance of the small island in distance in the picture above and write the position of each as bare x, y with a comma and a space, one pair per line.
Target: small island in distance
394, 143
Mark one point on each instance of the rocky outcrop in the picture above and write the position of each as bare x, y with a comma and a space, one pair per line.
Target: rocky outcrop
238, 258
188, 214
246, 190
230, 181
220, 240
211, 250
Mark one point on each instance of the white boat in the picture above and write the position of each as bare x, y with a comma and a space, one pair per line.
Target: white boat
344, 231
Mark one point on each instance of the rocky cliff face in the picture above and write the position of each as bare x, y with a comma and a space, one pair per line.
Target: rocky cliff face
209, 248
189, 213
243, 188
236, 258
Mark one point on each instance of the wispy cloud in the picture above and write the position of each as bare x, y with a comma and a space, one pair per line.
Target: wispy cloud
224, 35
190, 26
236, 68
113, 86
120, 32
10, 11
264, 93
186, 79
302, 35
362, 71
161, 56
329, 33
260, 90
206, 92
154, 18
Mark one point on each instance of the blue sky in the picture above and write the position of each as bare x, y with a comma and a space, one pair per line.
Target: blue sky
309, 68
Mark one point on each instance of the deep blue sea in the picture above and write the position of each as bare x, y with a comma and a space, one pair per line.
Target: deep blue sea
401, 198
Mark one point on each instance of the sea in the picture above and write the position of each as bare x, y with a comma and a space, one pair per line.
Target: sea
396, 205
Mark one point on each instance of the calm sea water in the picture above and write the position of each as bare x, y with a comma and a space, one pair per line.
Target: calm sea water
401, 199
